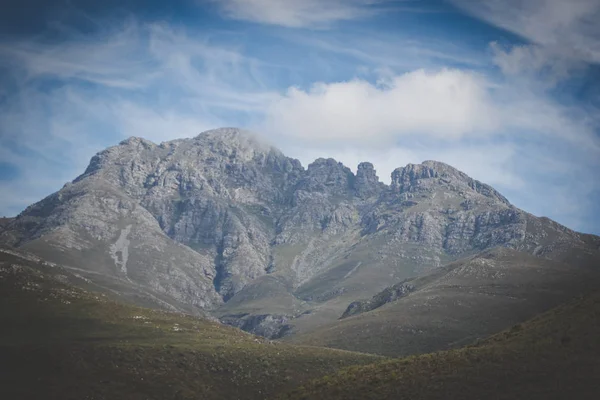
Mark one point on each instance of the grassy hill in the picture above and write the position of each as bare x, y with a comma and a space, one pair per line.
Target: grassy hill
61, 342
553, 356
455, 305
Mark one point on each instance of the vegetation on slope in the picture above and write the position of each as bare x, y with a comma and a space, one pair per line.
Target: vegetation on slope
456, 305
553, 356
57, 341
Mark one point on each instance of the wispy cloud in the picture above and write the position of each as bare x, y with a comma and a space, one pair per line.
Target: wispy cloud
295, 14
568, 29
383, 50
85, 58
535, 62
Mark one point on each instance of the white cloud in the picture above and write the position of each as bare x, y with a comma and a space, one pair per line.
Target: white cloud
293, 13
446, 104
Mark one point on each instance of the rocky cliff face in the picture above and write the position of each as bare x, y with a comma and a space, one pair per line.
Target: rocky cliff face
196, 223
366, 183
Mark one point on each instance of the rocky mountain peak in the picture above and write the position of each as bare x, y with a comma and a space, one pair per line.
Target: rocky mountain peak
367, 182
402, 177
235, 143
321, 163
432, 175
125, 153
328, 176
134, 141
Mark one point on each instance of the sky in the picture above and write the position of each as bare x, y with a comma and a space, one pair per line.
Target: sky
507, 91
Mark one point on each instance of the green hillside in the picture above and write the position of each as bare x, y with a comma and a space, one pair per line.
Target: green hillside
553, 356
455, 305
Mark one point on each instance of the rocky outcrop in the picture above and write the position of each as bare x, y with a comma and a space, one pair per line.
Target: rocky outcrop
327, 176
268, 325
366, 183
386, 296
428, 175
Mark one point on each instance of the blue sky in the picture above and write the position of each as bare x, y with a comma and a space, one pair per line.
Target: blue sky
507, 91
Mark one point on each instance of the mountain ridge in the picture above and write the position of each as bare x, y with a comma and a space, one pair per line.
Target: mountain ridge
227, 223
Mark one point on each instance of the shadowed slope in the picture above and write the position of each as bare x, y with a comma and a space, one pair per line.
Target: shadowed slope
59, 342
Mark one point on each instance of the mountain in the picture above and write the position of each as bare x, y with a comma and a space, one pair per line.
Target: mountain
553, 356
58, 341
226, 224
180, 223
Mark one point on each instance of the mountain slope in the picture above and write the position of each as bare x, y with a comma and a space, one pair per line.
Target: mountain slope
455, 305
226, 223
553, 356
61, 342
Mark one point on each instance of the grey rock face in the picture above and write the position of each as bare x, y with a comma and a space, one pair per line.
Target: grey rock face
268, 325
197, 222
329, 177
388, 295
421, 177
366, 184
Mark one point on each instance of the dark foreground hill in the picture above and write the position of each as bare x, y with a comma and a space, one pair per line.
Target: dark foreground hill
60, 342
553, 356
